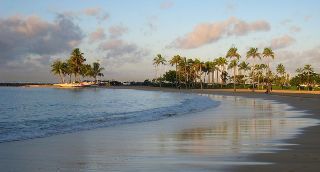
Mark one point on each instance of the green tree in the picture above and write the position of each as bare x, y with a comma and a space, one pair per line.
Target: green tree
96, 70
244, 66
170, 76
198, 66
299, 76
209, 70
86, 70
157, 61
76, 60
281, 70
222, 62
267, 54
308, 69
235, 56
253, 53
175, 60
57, 68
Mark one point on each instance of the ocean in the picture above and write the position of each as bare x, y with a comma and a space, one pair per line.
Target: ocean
27, 113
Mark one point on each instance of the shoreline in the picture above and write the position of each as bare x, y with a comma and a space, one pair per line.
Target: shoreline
230, 90
302, 155
159, 142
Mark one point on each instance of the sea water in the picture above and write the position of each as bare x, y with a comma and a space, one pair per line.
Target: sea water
27, 113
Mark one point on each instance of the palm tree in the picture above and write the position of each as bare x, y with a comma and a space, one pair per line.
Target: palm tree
209, 66
282, 71
77, 59
221, 61
68, 69
308, 69
198, 66
85, 70
175, 61
57, 68
253, 53
232, 65
216, 61
244, 66
96, 70
157, 61
213, 69
191, 71
267, 52
299, 71
263, 68
260, 68
233, 54
183, 65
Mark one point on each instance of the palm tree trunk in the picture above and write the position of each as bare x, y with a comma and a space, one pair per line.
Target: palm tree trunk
234, 79
253, 66
176, 75
217, 76
61, 80
200, 77
221, 82
212, 77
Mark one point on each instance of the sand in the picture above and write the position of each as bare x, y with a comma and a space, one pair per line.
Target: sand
305, 155
183, 141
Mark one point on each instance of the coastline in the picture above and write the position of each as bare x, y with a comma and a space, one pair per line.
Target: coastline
302, 155
179, 143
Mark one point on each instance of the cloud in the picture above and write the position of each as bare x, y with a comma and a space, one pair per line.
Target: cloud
282, 42
104, 16
117, 31
21, 37
111, 44
96, 12
166, 4
92, 11
295, 29
286, 22
307, 18
119, 51
97, 35
295, 59
211, 32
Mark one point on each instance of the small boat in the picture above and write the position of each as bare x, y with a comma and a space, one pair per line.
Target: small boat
71, 85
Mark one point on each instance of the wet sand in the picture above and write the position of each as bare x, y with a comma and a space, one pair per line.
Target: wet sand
193, 142
304, 154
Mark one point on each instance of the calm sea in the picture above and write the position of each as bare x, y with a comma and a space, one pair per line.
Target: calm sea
27, 113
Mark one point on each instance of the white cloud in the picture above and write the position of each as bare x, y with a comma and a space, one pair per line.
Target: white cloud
117, 31
166, 4
211, 32
97, 35
32, 36
282, 42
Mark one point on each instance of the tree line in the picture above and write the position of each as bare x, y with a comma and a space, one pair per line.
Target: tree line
193, 73
75, 66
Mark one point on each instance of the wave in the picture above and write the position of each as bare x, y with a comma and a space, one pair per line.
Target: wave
30, 129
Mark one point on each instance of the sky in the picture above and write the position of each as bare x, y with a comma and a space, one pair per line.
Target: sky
125, 35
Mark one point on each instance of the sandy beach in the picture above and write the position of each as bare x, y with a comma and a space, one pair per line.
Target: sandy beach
305, 155
192, 142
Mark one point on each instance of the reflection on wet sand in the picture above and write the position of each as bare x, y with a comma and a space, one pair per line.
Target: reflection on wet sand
243, 126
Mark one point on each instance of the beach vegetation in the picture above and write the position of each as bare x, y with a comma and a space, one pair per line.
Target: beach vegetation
195, 73
75, 65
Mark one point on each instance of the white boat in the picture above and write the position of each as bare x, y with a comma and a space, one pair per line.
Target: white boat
71, 85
